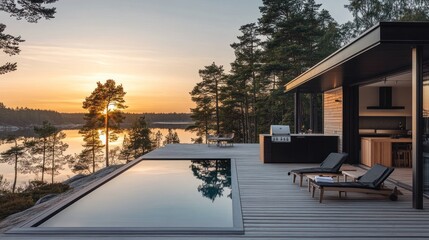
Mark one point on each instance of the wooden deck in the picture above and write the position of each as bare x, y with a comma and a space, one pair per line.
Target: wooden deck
274, 208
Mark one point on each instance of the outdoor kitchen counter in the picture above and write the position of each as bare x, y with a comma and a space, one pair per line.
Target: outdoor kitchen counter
311, 135
303, 148
379, 150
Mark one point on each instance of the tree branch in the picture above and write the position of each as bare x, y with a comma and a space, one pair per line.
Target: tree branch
8, 67
31, 10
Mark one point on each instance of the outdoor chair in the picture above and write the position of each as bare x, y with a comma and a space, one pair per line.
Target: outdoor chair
226, 140
212, 139
221, 140
371, 182
331, 165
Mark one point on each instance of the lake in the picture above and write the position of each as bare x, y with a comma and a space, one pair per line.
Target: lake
75, 141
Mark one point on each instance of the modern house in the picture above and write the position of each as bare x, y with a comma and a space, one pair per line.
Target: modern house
376, 96
374, 87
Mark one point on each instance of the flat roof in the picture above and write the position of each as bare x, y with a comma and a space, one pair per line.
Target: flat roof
382, 50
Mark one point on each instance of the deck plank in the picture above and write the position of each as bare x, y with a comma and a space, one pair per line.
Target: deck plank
275, 208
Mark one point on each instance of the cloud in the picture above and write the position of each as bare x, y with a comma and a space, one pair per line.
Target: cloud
55, 54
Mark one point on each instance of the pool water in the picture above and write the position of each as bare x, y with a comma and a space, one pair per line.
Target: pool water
156, 194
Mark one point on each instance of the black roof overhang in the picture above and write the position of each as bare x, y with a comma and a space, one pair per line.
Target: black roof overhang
384, 49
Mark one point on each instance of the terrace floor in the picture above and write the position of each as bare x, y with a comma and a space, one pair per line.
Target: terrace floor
275, 208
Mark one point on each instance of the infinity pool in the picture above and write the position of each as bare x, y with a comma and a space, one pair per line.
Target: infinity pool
155, 195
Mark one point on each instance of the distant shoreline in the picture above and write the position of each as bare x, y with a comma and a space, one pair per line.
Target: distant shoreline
28, 130
24, 118
173, 123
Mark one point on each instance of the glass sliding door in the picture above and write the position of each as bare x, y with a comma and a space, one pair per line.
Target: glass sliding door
425, 131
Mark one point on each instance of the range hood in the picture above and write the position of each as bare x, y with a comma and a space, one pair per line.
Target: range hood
385, 99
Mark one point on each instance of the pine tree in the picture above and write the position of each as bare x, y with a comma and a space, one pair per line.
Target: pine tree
40, 147
202, 114
171, 137
56, 151
115, 155
298, 35
139, 141
213, 77
245, 82
18, 156
158, 139
176, 139
105, 105
126, 151
367, 13
4, 185
87, 161
206, 95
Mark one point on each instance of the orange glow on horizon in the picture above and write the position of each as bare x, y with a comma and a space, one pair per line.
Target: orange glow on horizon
149, 88
67, 97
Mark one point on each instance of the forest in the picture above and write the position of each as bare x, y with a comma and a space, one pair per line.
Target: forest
289, 38
25, 117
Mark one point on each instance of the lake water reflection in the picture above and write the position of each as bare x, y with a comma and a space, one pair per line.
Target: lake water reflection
75, 141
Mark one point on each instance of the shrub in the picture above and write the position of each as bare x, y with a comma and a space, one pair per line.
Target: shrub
11, 203
38, 189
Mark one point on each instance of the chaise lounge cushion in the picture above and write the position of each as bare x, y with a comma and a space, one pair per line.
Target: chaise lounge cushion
372, 179
331, 164
376, 175
345, 185
314, 170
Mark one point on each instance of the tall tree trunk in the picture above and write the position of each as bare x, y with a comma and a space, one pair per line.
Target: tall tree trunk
16, 172
93, 153
255, 86
217, 106
243, 122
255, 111
207, 129
106, 123
15, 167
44, 158
53, 157
246, 113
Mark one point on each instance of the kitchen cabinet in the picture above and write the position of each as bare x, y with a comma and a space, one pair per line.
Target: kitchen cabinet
303, 148
379, 150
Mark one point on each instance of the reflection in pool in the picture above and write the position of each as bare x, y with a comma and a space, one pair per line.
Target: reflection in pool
215, 176
157, 194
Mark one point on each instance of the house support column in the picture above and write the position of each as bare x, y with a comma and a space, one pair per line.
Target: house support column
417, 125
297, 115
351, 140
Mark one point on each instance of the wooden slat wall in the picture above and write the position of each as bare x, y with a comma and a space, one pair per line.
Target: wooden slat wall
333, 114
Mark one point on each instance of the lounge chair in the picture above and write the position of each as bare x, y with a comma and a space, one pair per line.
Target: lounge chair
370, 182
331, 165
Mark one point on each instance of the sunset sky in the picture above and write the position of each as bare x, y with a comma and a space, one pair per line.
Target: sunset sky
153, 48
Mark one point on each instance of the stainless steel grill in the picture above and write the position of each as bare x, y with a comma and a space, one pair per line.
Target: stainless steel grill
280, 133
